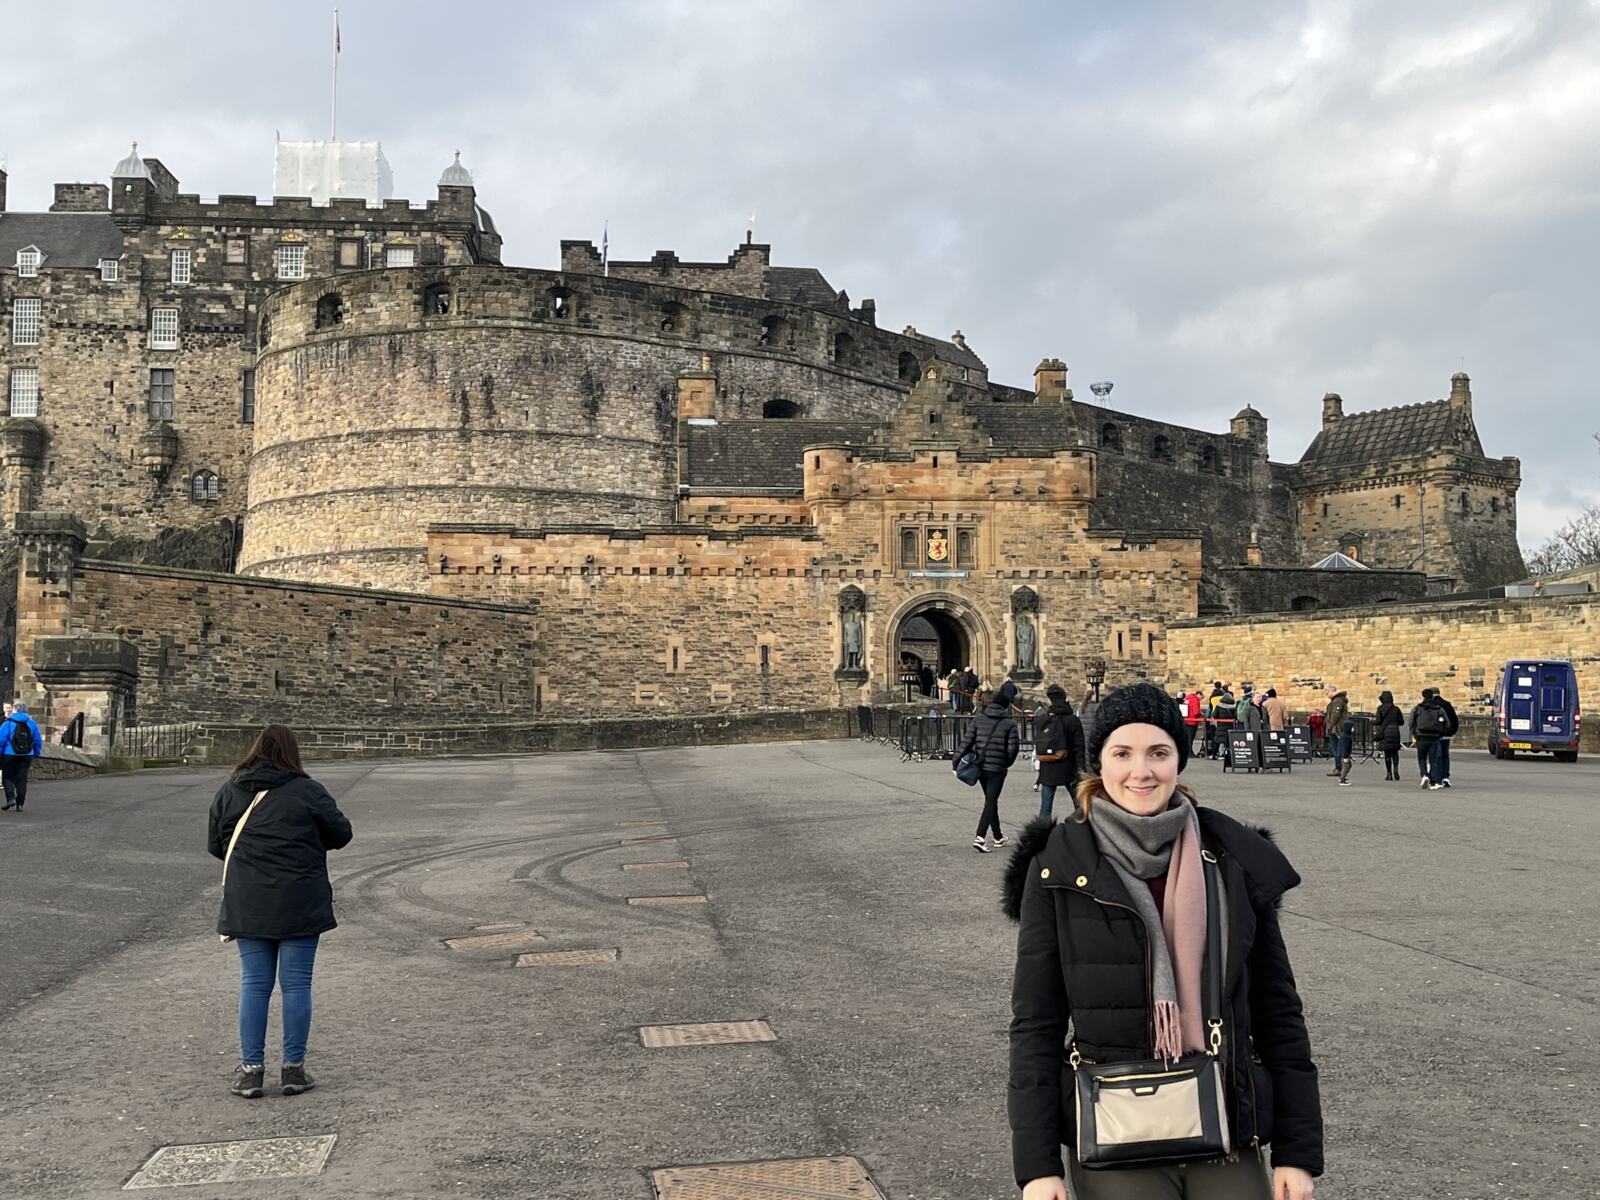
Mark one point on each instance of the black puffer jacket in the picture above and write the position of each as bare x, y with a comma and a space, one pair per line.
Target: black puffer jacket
1387, 723
277, 884
994, 735
1081, 956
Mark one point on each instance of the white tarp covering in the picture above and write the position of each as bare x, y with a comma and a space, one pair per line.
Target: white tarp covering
323, 170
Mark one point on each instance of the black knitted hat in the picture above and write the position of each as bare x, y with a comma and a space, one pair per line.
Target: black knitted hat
1139, 704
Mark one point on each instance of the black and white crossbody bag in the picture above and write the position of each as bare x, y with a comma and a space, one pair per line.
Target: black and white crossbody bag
1144, 1113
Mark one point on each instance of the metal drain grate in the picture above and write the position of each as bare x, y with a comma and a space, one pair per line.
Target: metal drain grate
711, 1033
663, 901
566, 958
795, 1179
495, 941
232, 1162
677, 864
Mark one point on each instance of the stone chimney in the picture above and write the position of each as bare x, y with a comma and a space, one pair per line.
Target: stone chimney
959, 339
1332, 409
1461, 393
82, 197
1050, 381
166, 182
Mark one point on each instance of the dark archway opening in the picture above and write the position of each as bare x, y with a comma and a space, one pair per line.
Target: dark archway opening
780, 409
1305, 604
934, 641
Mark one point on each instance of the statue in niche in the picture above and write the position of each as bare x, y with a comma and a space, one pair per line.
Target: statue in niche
1027, 644
852, 625
1025, 631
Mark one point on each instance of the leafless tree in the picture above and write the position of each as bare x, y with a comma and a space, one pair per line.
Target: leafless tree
1575, 544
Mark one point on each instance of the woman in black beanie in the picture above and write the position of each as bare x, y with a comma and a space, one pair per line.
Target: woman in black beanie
994, 735
1113, 909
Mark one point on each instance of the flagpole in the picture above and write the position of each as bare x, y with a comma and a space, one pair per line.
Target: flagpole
335, 75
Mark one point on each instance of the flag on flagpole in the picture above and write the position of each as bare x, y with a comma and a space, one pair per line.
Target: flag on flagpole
336, 31
605, 249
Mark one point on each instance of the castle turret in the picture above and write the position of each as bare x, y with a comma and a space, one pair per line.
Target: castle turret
1461, 393
1332, 409
1250, 425
133, 191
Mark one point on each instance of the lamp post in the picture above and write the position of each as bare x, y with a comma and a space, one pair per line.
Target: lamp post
1095, 673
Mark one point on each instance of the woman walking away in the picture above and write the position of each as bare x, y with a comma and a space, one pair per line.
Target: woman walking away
994, 735
1387, 723
273, 826
1117, 908
1060, 750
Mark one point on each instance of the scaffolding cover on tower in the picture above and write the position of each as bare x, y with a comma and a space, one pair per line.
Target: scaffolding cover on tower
325, 169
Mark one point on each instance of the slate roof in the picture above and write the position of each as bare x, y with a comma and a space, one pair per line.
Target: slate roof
1016, 425
800, 285
763, 453
951, 353
1389, 433
67, 239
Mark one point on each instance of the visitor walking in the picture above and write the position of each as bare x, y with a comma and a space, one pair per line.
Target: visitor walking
272, 826
969, 684
1113, 907
1277, 710
20, 744
1444, 742
993, 734
952, 689
1060, 750
1335, 718
1429, 723
1212, 728
1035, 733
1386, 724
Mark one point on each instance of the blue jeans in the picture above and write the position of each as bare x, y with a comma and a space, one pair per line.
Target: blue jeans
290, 961
1444, 759
1047, 798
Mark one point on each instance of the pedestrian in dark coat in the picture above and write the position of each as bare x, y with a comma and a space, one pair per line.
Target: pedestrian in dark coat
1430, 722
1111, 906
1060, 749
994, 735
272, 825
1454, 728
1387, 723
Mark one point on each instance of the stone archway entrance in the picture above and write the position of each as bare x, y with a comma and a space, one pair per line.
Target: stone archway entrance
940, 632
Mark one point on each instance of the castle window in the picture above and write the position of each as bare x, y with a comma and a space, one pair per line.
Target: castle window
247, 404
290, 262
1208, 458
432, 254
110, 270
204, 486
436, 300
673, 318
1494, 505
1324, 508
264, 330
163, 329
28, 261
180, 266
330, 310
560, 303
964, 543
350, 252
1465, 504
26, 317
1110, 437
780, 409
1161, 448
933, 420
400, 256
237, 251
909, 368
1397, 501
766, 658
909, 558
843, 348
774, 331
24, 391
1305, 603
160, 406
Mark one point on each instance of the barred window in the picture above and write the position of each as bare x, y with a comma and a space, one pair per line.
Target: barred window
24, 391
28, 262
204, 486
26, 317
163, 329
290, 262
110, 270
181, 265
162, 386
247, 406
400, 256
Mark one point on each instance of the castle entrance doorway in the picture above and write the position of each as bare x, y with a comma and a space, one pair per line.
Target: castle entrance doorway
934, 641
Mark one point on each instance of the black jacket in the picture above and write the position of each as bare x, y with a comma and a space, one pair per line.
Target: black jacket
1428, 739
1450, 711
1063, 733
277, 884
993, 733
1386, 725
1081, 956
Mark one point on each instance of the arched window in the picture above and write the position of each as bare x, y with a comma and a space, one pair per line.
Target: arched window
204, 486
560, 303
436, 300
674, 318
780, 408
843, 348
910, 369
774, 332
1208, 459
1161, 448
1494, 505
1110, 436
330, 311
264, 330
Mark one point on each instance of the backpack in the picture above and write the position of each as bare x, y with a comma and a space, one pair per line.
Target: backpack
1432, 721
1241, 712
20, 744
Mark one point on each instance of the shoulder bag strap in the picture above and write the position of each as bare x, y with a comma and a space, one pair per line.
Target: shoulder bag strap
237, 830
1214, 964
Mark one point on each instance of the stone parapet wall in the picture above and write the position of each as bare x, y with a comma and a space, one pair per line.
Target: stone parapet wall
1459, 648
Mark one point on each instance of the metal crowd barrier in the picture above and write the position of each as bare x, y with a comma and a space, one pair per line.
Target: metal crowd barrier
933, 736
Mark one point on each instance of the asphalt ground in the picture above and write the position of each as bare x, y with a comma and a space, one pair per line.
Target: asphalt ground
1445, 943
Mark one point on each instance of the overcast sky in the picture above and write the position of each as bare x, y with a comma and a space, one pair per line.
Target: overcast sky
1207, 203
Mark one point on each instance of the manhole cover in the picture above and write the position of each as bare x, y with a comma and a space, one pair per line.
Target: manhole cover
494, 941
678, 864
796, 1179
566, 958
711, 1033
230, 1162
654, 837
663, 901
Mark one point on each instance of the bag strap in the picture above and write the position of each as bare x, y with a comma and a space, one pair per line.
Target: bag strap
1214, 964
237, 830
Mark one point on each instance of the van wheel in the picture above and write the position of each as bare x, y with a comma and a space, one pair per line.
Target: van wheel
1507, 754
1566, 756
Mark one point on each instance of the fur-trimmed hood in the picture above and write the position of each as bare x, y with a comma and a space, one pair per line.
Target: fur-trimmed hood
1070, 848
